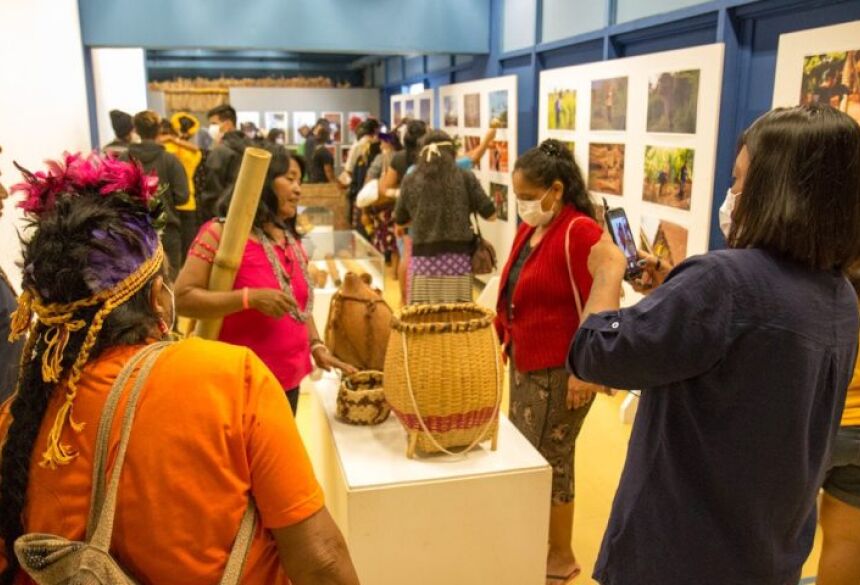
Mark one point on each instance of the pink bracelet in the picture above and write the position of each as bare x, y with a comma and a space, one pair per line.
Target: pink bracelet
245, 304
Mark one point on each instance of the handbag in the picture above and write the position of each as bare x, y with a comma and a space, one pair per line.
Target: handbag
54, 560
483, 253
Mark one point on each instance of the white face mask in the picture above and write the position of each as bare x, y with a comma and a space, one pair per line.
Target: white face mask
726, 210
532, 212
215, 132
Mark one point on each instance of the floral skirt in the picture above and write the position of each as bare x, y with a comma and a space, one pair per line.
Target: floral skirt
539, 410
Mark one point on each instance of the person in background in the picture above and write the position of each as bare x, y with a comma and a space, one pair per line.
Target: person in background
743, 357
177, 137
472, 158
171, 177
381, 213
224, 159
10, 351
123, 129
543, 287
437, 202
389, 186
270, 308
277, 136
321, 159
840, 504
304, 132
209, 410
312, 137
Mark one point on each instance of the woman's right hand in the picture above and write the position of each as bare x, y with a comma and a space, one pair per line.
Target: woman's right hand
654, 272
270, 302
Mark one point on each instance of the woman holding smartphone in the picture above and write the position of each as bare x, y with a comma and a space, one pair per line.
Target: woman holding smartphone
545, 277
744, 357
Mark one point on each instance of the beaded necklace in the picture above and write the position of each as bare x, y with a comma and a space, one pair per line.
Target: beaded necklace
281, 274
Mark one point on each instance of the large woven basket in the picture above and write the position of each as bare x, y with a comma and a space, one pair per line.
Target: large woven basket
443, 376
361, 399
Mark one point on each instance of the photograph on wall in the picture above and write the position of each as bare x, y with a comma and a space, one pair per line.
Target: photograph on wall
498, 153
470, 143
353, 120
425, 111
562, 109
272, 120
673, 100
668, 176
606, 168
409, 109
609, 104
571, 146
664, 239
472, 110
302, 123
398, 113
833, 79
450, 113
335, 122
499, 195
499, 108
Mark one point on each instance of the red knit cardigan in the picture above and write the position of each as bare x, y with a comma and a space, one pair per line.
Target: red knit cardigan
544, 313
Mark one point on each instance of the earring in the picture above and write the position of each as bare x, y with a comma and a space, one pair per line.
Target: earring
162, 327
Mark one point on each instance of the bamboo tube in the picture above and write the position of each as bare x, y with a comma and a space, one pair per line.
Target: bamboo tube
240, 219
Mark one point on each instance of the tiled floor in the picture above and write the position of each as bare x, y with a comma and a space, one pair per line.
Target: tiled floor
600, 453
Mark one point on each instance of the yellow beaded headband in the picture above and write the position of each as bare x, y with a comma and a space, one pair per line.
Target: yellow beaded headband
59, 323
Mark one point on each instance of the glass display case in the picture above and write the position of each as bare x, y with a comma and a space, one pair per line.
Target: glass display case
334, 253
315, 218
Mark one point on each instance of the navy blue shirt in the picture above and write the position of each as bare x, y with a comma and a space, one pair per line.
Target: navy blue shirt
743, 360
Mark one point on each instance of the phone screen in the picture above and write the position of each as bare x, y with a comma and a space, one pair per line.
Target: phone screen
622, 235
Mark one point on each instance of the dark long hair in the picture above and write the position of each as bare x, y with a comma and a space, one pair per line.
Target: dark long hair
801, 194
415, 132
434, 174
552, 161
267, 209
57, 260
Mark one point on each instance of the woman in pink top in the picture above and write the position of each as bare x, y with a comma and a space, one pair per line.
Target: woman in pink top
270, 308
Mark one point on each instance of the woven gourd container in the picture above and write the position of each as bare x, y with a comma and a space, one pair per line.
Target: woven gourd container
361, 399
443, 376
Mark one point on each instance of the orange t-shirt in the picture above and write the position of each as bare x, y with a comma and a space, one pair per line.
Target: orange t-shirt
212, 425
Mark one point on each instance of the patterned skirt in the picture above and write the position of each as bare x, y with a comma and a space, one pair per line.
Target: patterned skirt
383, 230
446, 278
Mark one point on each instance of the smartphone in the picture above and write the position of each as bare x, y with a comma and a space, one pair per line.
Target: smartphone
622, 235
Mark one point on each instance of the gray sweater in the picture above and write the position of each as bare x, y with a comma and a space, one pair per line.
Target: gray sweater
440, 218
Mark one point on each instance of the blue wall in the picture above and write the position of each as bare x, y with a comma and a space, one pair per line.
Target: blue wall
749, 29
350, 26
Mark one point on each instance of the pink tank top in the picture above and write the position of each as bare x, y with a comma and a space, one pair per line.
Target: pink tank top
282, 343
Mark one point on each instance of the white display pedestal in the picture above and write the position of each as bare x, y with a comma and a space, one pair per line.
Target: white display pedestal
432, 520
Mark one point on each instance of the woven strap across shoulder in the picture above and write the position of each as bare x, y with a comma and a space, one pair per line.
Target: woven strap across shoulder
53, 560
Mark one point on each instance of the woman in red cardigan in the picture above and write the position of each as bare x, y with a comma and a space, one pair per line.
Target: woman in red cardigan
543, 288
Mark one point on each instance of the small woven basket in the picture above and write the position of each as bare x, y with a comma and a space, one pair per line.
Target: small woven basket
361, 399
443, 376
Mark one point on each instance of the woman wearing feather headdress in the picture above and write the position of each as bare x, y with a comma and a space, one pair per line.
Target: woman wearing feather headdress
213, 443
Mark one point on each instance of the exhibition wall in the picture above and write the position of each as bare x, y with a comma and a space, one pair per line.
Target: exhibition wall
416, 106
44, 111
644, 132
305, 106
467, 110
750, 31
